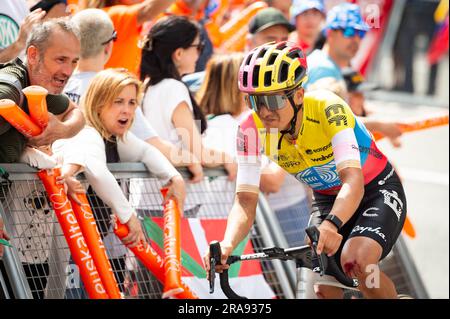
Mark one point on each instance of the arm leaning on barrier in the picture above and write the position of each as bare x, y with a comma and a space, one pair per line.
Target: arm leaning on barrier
132, 149
61, 126
106, 187
87, 151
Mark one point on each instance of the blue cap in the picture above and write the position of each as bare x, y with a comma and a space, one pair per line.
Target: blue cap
300, 6
346, 15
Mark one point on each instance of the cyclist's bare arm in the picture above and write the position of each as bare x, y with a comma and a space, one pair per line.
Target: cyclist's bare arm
350, 195
347, 201
240, 221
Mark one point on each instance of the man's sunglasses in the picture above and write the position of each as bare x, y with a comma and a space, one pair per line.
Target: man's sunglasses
351, 32
272, 102
112, 38
200, 47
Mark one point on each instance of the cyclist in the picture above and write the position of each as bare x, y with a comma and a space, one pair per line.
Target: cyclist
358, 198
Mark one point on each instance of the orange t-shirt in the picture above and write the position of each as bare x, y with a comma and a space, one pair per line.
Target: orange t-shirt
126, 53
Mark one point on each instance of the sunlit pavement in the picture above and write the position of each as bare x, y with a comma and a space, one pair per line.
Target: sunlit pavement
423, 164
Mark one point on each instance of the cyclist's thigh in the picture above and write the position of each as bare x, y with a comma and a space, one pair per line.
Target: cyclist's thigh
381, 216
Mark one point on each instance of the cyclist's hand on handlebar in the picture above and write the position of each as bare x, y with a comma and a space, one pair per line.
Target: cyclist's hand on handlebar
329, 239
226, 252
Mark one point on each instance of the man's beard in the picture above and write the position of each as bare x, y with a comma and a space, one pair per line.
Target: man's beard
44, 80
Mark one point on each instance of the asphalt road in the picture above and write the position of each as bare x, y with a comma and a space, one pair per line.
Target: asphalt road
423, 164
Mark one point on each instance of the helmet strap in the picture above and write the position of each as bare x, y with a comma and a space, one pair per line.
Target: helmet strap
293, 123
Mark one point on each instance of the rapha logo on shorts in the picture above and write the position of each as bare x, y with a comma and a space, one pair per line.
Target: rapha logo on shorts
367, 214
361, 229
391, 199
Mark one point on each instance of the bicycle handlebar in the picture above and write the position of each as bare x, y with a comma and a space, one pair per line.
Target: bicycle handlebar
327, 265
215, 254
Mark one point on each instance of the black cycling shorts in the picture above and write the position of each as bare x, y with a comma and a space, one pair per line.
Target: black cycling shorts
380, 215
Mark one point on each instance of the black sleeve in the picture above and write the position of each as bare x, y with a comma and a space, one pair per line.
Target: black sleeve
9, 92
57, 104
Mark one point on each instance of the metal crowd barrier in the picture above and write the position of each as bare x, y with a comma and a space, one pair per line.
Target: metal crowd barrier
39, 265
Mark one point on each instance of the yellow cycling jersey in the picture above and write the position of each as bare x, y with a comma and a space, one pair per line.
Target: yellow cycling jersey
331, 138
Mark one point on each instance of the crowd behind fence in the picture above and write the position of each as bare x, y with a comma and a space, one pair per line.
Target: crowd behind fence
39, 266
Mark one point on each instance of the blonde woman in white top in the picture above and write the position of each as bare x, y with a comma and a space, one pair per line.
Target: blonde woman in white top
109, 106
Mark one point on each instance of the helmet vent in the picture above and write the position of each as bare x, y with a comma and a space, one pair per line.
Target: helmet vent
247, 62
283, 75
261, 53
245, 79
272, 59
294, 54
255, 76
299, 73
268, 78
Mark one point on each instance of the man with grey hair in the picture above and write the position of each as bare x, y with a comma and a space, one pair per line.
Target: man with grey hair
52, 54
52, 51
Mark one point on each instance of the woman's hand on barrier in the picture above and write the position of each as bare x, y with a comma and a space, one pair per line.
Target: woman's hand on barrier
72, 186
226, 252
135, 235
329, 239
177, 189
197, 173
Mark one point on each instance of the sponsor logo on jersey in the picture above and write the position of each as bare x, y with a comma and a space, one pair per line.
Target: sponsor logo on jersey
368, 150
312, 120
317, 150
336, 115
320, 177
322, 158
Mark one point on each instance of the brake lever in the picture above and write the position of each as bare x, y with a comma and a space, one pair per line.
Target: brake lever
314, 234
215, 254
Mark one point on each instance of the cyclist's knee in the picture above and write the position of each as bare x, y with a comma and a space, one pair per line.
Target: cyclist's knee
359, 257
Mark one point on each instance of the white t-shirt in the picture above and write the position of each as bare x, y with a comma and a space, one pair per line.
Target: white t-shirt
12, 13
78, 85
160, 101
